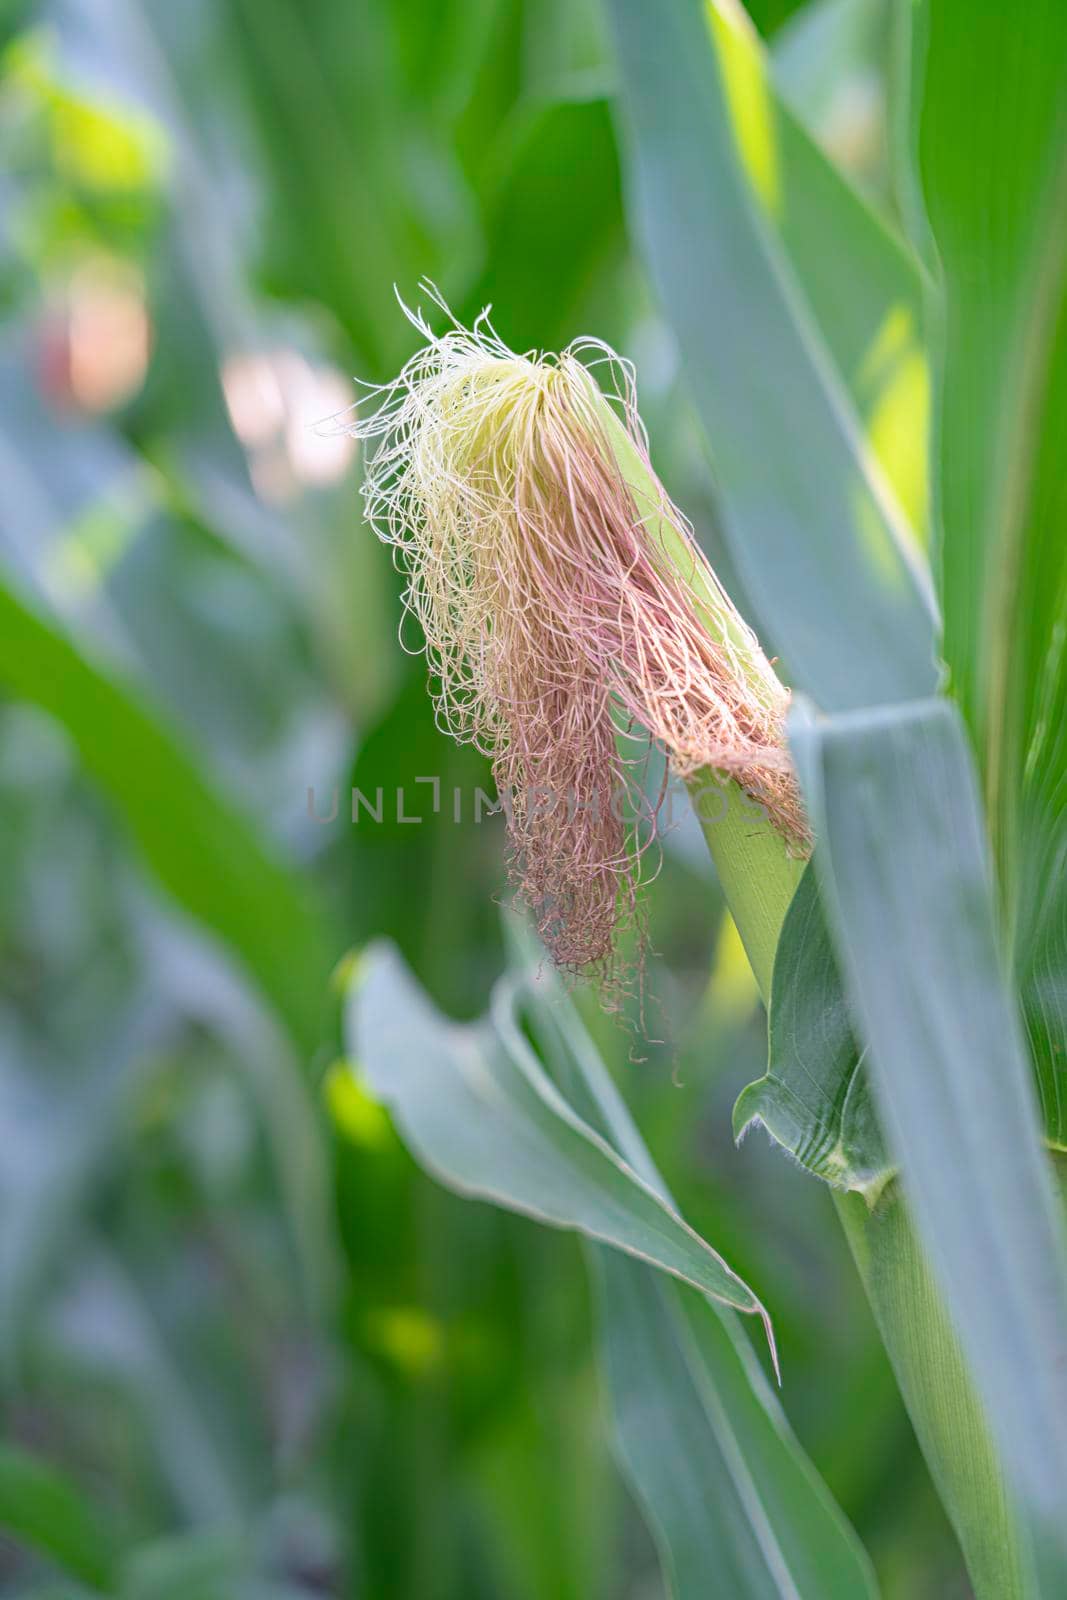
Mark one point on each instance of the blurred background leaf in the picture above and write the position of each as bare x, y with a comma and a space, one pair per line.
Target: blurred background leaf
204, 854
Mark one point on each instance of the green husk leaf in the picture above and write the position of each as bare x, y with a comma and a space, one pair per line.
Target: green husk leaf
815, 1098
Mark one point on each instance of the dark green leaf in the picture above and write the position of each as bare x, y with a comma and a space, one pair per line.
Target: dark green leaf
1043, 989
349, 159
996, 194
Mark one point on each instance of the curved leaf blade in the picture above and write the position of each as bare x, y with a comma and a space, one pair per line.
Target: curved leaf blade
479, 1112
724, 1487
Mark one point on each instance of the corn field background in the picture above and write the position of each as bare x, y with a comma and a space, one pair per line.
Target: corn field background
287, 1092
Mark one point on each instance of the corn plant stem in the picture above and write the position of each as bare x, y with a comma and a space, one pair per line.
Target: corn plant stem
759, 878
937, 1390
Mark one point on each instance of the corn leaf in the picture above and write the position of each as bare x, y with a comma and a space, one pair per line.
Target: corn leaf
905, 878
733, 205
727, 1492
724, 1486
479, 1112
547, 240
1007, 566
996, 194
829, 64
698, 1432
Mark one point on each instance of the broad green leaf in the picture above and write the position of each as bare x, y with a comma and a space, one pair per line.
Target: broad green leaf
203, 852
904, 876
734, 206
866, 294
814, 1098
950, 1423
41, 1507
479, 1112
995, 186
996, 195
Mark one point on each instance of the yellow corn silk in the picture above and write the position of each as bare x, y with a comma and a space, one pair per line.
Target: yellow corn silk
563, 600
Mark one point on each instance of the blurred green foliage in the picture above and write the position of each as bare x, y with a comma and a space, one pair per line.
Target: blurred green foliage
247, 1349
